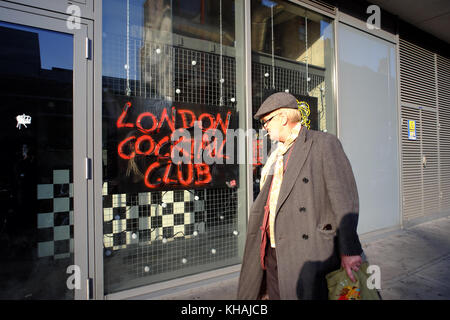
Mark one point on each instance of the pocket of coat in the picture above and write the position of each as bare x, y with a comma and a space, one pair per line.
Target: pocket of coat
327, 229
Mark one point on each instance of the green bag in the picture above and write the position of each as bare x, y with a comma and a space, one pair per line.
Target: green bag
340, 287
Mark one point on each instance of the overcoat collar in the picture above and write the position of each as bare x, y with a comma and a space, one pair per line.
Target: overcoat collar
298, 157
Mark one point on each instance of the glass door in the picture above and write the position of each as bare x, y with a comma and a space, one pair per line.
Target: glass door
43, 183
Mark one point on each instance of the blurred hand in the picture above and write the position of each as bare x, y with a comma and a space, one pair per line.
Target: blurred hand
350, 263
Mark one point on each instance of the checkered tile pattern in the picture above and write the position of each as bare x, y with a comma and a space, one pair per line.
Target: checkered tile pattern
55, 216
151, 216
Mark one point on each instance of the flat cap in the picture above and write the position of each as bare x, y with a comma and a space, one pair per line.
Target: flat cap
276, 101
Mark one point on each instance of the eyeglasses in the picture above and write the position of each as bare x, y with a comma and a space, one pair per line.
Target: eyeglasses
264, 123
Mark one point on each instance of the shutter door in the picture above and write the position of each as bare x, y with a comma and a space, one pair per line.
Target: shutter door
411, 166
443, 79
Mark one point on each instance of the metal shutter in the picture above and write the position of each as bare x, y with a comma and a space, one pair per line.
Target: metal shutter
443, 81
421, 182
411, 166
417, 75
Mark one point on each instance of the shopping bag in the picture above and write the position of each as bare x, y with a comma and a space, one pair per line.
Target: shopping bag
340, 287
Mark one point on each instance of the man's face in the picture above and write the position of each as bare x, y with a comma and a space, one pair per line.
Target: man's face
271, 123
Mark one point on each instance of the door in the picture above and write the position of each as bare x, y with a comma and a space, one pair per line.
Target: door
420, 162
43, 133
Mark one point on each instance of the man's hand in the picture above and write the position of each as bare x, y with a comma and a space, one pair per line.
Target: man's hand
350, 263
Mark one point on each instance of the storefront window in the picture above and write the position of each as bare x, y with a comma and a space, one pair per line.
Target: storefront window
292, 51
171, 67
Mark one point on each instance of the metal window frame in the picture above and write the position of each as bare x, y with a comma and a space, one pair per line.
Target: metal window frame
86, 6
399, 129
336, 74
97, 245
361, 25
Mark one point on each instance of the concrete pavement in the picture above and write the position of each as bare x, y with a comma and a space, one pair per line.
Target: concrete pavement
414, 264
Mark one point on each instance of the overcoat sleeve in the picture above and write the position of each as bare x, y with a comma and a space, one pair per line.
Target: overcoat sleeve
343, 195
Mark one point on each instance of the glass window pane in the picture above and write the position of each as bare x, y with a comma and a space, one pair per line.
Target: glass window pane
170, 67
368, 92
36, 185
292, 51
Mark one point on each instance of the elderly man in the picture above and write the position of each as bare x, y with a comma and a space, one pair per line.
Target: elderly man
303, 223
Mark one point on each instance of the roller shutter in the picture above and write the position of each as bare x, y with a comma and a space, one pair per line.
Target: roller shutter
425, 98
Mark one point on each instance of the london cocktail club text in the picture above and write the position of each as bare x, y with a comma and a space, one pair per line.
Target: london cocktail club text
163, 146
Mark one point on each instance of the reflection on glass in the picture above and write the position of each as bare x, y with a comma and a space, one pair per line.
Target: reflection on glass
292, 51
164, 64
36, 229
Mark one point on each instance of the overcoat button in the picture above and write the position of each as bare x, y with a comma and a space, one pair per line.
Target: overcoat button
302, 209
305, 180
305, 236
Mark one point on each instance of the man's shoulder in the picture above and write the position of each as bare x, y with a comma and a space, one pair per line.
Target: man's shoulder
321, 136
323, 140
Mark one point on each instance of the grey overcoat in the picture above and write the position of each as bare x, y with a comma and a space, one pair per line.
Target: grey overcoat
316, 220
